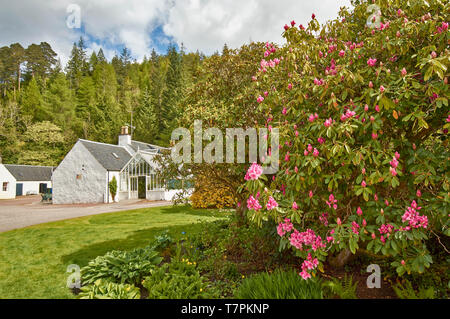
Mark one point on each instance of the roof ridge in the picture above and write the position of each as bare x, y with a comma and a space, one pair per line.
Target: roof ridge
149, 144
83, 140
28, 165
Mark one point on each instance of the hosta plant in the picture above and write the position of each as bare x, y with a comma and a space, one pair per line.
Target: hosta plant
121, 266
102, 289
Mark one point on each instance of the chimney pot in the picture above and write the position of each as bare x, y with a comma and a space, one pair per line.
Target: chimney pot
124, 130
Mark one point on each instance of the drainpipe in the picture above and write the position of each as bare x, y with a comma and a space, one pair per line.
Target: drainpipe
107, 183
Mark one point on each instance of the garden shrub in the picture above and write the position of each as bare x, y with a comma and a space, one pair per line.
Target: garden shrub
178, 280
208, 193
102, 289
279, 285
363, 118
121, 266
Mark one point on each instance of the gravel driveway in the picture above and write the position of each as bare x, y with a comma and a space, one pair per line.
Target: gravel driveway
28, 210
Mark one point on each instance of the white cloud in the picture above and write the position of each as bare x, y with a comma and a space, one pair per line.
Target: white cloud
203, 25
208, 24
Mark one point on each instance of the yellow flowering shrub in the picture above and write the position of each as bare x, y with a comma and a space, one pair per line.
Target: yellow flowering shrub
211, 194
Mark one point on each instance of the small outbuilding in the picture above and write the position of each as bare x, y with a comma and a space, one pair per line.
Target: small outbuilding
19, 180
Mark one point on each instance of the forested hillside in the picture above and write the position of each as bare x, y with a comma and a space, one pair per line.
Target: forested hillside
45, 108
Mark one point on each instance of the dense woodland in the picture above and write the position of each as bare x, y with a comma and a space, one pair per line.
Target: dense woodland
45, 108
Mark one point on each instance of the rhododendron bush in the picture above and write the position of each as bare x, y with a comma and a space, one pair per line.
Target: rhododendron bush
363, 117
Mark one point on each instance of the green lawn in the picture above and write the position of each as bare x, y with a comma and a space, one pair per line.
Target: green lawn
33, 260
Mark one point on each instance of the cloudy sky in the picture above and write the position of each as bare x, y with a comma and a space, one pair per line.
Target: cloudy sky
142, 25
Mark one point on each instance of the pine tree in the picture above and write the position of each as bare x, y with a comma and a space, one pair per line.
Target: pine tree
31, 102
171, 95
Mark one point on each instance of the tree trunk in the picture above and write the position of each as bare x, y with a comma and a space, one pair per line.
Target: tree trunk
342, 258
18, 78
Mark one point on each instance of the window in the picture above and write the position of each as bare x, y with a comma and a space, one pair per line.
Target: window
5, 186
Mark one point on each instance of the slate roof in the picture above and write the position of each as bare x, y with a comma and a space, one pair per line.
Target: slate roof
135, 145
29, 173
111, 157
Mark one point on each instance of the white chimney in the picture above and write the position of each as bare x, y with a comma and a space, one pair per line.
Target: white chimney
124, 137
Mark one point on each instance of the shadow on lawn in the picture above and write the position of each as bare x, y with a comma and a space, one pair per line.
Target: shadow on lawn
137, 239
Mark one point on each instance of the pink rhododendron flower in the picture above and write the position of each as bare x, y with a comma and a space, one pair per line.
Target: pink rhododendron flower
363, 184
292, 23
364, 223
254, 172
404, 72
315, 152
382, 89
260, 99
412, 216
285, 227
321, 140
253, 203
313, 16
394, 162
328, 122
286, 27
397, 155
393, 171
305, 275
402, 262
294, 206
338, 221
371, 62
341, 53
331, 201
370, 84
271, 204
359, 211
324, 219
290, 86
309, 238
433, 54
419, 193
306, 152
355, 227
374, 136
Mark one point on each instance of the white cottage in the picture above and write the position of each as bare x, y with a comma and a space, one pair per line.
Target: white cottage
18, 180
84, 174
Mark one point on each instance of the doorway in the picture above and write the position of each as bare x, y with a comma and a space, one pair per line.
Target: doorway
19, 189
142, 187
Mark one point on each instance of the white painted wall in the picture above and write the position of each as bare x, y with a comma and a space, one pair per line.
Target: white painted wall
33, 187
6, 176
170, 194
90, 188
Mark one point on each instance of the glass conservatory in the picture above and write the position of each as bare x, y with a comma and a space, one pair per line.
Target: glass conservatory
138, 179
